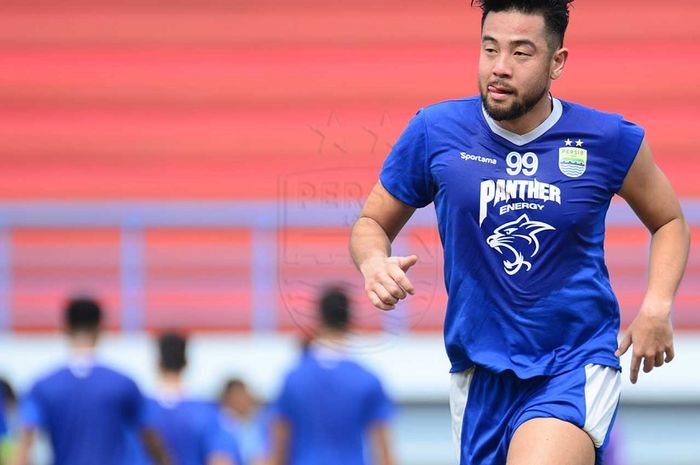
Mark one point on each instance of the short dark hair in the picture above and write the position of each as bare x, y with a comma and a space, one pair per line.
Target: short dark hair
334, 309
83, 314
7, 394
554, 12
231, 385
172, 348
234, 383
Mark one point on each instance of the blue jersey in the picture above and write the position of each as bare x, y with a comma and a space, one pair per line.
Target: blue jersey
249, 437
191, 430
522, 222
87, 413
330, 404
3, 421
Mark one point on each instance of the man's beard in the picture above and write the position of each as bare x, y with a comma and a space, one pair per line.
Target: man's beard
518, 108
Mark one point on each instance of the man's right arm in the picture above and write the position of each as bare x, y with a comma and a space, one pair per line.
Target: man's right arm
382, 218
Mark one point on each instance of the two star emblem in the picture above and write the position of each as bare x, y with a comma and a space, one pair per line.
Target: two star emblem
568, 142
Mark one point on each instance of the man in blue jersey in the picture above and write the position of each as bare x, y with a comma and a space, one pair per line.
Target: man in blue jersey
521, 182
191, 429
8, 405
88, 410
4, 430
331, 411
246, 422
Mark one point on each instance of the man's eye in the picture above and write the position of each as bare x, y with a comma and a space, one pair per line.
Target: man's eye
490, 50
522, 54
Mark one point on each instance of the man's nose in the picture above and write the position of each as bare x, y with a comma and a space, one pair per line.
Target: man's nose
502, 67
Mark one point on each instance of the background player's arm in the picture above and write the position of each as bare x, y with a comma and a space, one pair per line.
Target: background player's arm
219, 458
23, 448
647, 190
379, 437
380, 221
280, 442
154, 447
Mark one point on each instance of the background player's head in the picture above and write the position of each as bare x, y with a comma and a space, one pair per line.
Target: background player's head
334, 311
172, 350
9, 397
83, 318
521, 53
237, 398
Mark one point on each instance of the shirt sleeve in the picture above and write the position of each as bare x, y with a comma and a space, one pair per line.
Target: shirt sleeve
630, 139
284, 405
30, 411
135, 411
406, 171
379, 408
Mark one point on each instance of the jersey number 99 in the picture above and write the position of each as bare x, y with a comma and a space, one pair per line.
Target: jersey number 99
527, 164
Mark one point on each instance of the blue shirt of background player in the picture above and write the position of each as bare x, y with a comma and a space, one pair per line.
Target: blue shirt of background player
190, 429
87, 414
3, 421
251, 439
522, 223
330, 404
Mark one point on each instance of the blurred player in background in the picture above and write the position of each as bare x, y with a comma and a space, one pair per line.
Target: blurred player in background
246, 421
191, 429
331, 410
7, 401
88, 410
521, 183
8, 420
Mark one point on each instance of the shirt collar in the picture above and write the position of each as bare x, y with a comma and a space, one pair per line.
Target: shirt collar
522, 139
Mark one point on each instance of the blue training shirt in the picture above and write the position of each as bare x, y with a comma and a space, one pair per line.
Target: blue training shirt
522, 221
191, 430
87, 412
330, 404
3, 422
250, 437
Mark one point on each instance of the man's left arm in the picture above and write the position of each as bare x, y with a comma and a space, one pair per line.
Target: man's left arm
647, 190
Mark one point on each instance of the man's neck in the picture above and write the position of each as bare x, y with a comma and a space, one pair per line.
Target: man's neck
531, 120
331, 338
171, 380
82, 344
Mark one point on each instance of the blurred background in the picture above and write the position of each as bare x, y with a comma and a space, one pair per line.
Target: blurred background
197, 165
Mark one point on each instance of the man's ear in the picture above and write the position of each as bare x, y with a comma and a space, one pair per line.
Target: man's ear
558, 63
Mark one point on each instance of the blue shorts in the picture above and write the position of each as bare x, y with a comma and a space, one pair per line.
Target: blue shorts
488, 408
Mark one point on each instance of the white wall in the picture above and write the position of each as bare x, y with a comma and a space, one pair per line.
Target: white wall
414, 368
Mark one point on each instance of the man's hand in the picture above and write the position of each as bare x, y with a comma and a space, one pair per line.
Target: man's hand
651, 338
385, 280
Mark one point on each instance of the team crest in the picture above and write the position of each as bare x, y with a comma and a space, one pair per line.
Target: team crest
517, 241
572, 161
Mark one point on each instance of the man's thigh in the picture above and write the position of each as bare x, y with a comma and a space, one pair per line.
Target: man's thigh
550, 441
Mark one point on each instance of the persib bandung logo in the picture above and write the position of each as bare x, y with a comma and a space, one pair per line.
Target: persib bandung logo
572, 160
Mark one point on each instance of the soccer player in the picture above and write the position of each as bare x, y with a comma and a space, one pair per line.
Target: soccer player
8, 404
246, 422
87, 409
331, 410
6, 393
191, 429
521, 183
